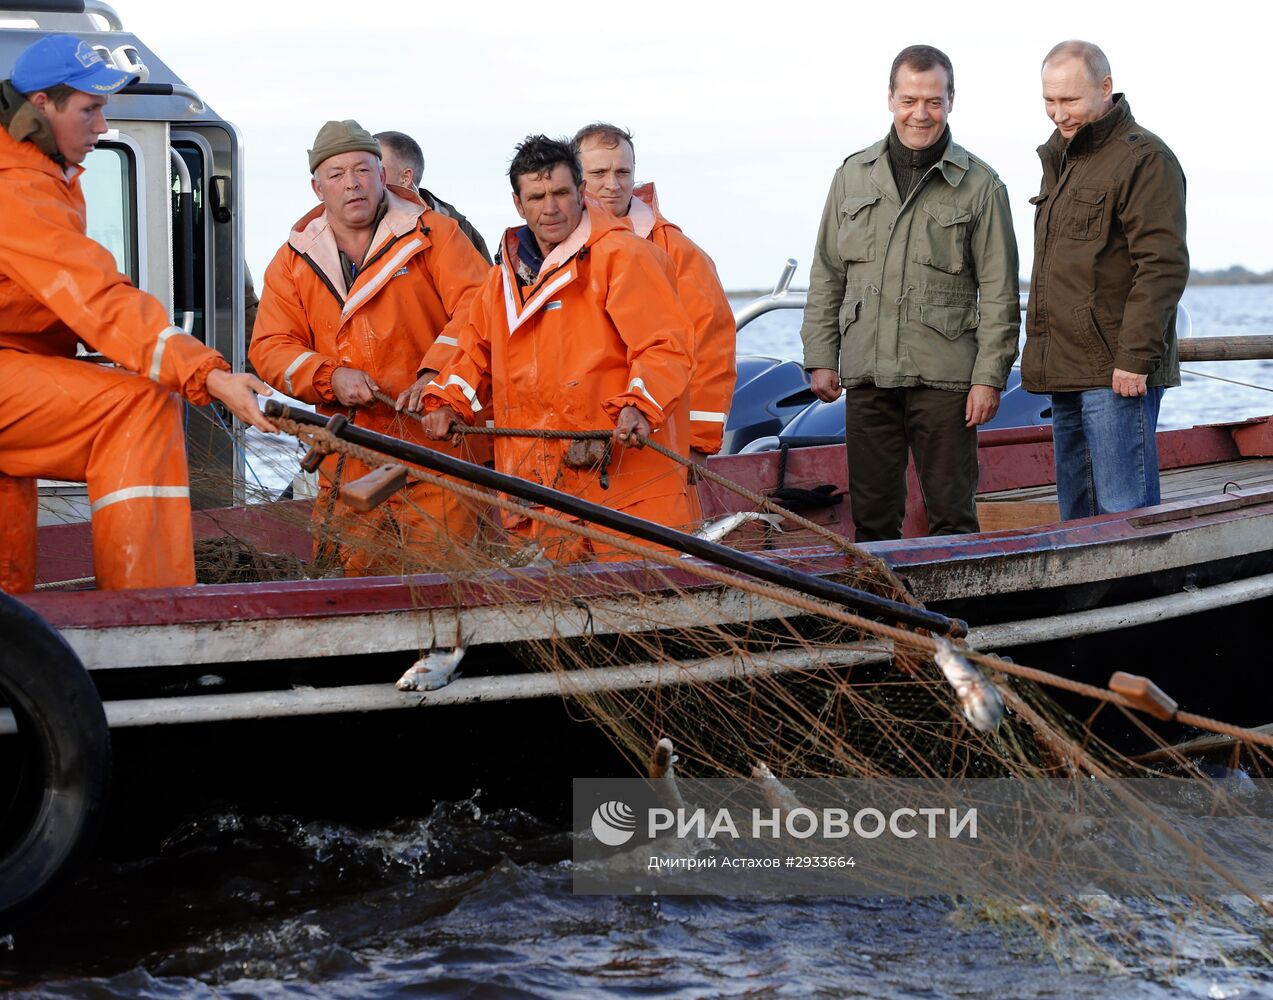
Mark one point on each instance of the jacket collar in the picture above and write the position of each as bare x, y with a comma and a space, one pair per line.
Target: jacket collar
644, 215
571, 245
560, 267
953, 165
312, 236
1090, 136
31, 132
593, 225
643, 211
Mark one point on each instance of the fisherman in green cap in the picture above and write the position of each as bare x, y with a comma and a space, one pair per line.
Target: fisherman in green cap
365, 299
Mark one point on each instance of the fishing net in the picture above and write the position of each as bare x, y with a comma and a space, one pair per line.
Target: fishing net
750, 680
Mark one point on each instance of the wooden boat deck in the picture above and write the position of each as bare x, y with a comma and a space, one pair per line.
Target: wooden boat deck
1177, 484
1026, 506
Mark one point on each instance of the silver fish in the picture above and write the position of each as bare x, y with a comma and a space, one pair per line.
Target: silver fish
980, 699
663, 775
777, 795
531, 557
730, 523
436, 670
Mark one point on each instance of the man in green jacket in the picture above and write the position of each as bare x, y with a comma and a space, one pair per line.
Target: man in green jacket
913, 306
1110, 265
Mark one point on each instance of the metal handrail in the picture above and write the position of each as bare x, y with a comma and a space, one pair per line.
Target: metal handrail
782, 297
195, 102
183, 280
106, 12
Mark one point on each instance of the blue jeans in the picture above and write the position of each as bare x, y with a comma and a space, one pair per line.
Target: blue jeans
1105, 450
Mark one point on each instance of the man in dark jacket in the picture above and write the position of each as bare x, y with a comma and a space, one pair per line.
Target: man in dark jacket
1110, 265
404, 164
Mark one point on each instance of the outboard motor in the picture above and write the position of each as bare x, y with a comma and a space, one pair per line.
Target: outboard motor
823, 423
768, 394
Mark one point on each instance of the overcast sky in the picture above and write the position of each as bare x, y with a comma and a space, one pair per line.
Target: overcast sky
741, 111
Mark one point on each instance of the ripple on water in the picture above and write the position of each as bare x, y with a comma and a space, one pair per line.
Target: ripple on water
350, 912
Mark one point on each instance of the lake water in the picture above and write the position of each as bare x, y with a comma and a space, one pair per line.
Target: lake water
1215, 310
472, 898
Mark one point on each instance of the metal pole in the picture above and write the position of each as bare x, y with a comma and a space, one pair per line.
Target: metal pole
720, 555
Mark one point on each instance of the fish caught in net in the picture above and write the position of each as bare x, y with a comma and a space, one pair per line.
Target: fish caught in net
699, 672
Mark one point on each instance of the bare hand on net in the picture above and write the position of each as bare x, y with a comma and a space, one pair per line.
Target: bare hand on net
412, 398
437, 425
354, 387
631, 429
238, 392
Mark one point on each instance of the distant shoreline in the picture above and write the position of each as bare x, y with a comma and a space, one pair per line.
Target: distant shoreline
1229, 276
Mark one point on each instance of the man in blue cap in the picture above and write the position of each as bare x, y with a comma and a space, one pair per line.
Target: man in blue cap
64, 419
67, 83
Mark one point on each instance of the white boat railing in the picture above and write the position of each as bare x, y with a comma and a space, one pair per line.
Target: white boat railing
784, 297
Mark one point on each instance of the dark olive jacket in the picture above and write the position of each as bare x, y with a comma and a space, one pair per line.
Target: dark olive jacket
1110, 261
466, 227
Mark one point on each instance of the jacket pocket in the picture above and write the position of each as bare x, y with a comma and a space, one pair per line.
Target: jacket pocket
939, 242
855, 238
1083, 220
952, 322
1038, 201
1090, 336
850, 309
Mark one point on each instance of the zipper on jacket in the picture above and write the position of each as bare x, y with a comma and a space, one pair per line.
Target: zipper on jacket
422, 230
543, 276
322, 276
892, 229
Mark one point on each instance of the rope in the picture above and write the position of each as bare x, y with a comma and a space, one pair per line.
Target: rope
898, 636
328, 551
884, 573
65, 583
1231, 381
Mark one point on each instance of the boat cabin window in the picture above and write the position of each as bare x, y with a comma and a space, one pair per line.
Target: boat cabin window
189, 255
109, 185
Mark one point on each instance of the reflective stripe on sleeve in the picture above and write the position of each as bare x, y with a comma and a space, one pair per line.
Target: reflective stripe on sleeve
142, 493
449, 341
465, 388
707, 416
157, 356
639, 385
291, 370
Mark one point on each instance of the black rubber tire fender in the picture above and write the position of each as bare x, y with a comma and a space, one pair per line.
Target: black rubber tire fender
55, 772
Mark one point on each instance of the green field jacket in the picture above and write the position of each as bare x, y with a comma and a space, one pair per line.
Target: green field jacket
921, 293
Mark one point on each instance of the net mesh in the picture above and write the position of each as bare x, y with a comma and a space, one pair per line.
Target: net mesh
747, 680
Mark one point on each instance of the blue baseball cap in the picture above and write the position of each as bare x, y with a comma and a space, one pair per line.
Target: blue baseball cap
66, 59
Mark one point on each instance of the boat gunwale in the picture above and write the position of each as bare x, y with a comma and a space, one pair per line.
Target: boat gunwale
334, 598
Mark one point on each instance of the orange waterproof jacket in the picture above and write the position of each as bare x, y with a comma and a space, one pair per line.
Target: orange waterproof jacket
59, 287
600, 329
715, 369
400, 316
